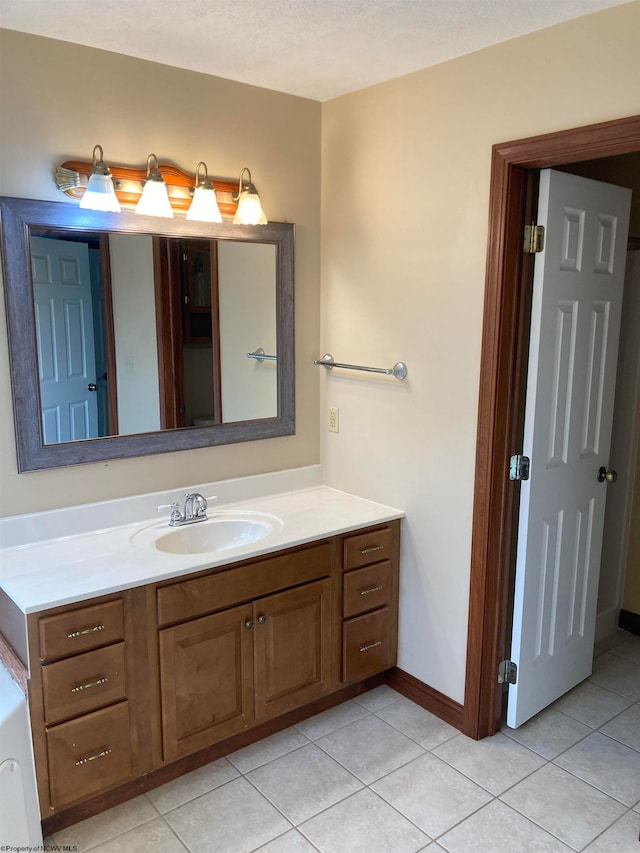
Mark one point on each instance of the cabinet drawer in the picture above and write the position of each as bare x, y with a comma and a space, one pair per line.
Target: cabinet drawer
84, 682
89, 754
367, 548
366, 645
366, 589
82, 629
241, 583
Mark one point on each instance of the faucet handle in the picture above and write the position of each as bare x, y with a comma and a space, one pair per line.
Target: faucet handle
175, 511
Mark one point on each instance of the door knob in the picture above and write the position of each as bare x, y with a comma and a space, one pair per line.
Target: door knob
92, 386
607, 474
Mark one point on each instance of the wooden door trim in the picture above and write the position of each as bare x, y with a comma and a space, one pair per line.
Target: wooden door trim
500, 394
109, 334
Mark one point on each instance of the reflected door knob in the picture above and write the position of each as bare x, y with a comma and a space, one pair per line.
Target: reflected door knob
607, 474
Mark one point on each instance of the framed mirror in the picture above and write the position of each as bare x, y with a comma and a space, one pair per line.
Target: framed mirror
133, 335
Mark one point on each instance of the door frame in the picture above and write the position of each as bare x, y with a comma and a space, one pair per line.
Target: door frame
514, 169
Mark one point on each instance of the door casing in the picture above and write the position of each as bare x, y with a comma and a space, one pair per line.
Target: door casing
514, 169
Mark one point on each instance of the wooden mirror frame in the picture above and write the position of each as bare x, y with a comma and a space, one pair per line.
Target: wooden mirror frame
18, 216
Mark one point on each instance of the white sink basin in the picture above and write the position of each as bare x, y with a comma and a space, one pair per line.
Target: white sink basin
219, 532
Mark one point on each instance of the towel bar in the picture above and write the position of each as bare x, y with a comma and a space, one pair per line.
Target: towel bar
399, 370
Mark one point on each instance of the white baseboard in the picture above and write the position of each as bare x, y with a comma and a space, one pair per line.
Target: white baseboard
606, 622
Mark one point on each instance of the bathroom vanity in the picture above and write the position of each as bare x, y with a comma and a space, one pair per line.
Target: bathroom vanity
149, 663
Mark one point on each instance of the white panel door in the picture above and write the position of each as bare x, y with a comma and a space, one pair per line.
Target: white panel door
64, 332
575, 327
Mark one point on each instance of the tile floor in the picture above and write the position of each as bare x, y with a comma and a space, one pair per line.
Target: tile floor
379, 774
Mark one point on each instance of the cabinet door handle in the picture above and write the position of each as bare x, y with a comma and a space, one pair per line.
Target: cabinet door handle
106, 751
372, 645
102, 680
369, 589
372, 548
262, 619
248, 624
84, 631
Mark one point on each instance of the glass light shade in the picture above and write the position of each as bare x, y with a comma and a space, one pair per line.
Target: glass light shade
249, 210
100, 194
154, 200
204, 206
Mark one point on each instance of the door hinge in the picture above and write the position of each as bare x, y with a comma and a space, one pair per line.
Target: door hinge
519, 467
533, 238
507, 672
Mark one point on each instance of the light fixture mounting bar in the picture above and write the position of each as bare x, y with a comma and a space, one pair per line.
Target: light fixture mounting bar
173, 176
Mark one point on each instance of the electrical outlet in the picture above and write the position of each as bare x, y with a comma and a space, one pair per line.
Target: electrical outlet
333, 424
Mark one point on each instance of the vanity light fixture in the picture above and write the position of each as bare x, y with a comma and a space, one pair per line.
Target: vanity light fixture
154, 200
204, 206
249, 210
100, 193
72, 178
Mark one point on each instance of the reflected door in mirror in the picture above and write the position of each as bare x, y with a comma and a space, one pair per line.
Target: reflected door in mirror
67, 376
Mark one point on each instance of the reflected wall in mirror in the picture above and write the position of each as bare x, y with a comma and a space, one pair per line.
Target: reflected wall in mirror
129, 337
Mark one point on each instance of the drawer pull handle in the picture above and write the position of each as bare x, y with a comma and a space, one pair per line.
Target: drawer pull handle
248, 624
93, 630
79, 687
106, 751
372, 548
372, 645
262, 619
371, 589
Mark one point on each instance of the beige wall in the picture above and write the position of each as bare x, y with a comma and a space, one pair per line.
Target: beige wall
58, 100
405, 188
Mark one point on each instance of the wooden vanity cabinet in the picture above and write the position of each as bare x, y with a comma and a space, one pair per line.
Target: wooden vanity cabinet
232, 669
129, 690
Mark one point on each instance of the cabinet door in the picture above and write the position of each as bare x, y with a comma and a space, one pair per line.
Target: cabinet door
292, 648
206, 680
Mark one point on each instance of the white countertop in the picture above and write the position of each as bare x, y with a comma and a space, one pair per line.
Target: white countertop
48, 573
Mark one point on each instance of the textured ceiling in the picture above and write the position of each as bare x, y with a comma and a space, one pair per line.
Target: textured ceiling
317, 49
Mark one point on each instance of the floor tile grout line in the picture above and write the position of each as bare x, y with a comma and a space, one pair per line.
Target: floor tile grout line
94, 844
285, 816
544, 828
592, 785
600, 834
509, 806
614, 739
282, 834
175, 833
271, 760
337, 729
549, 831
299, 826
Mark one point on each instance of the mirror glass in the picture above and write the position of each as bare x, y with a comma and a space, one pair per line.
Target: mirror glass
128, 340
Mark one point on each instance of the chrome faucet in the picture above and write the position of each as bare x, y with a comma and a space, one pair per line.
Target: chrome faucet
195, 509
